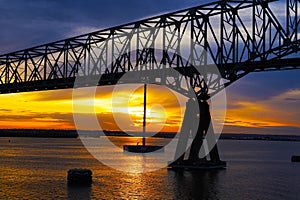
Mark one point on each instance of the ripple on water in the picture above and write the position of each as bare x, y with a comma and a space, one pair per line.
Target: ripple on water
34, 168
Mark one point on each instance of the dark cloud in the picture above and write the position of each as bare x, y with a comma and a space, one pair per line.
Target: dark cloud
5, 110
33, 22
278, 130
38, 116
263, 85
233, 104
292, 99
231, 122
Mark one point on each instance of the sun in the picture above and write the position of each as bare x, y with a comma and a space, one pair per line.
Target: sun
155, 112
163, 111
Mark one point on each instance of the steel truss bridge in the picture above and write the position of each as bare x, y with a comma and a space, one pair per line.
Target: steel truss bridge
201, 49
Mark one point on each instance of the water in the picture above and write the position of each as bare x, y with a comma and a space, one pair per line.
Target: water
35, 168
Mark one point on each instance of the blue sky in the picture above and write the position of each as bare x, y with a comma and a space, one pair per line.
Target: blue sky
41, 21
33, 22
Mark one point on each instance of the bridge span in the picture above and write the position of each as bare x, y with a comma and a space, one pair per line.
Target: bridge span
236, 37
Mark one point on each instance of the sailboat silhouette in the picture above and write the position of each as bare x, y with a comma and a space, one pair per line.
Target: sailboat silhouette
143, 148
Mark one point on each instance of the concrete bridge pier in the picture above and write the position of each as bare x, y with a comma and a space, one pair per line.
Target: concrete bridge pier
191, 158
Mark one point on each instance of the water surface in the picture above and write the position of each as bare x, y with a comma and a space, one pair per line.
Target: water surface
36, 168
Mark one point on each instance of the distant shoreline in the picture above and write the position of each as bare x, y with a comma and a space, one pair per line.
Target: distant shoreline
265, 137
38, 133
74, 134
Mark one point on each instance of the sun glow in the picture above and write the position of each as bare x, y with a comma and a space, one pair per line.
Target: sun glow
53, 109
127, 110
123, 110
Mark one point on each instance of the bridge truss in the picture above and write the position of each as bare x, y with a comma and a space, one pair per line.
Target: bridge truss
236, 37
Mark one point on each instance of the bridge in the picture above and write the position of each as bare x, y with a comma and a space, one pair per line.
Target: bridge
180, 50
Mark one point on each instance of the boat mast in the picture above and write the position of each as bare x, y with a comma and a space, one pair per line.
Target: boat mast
145, 110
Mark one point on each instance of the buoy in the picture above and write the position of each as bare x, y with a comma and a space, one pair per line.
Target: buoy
295, 159
80, 176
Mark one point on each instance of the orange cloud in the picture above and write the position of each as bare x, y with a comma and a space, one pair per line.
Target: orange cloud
54, 109
277, 111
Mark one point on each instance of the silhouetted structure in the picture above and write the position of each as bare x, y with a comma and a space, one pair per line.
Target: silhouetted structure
213, 34
144, 148
295, 158
80, 176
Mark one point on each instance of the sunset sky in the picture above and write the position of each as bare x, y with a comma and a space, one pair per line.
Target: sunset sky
259, 103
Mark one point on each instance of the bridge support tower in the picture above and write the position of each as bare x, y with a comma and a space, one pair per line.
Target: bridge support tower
195, 156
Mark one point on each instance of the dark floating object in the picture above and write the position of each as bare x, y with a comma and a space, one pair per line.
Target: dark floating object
142, 148
80, 176
295, 158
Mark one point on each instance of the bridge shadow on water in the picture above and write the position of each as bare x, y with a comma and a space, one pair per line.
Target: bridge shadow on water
181, 184
196, 184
